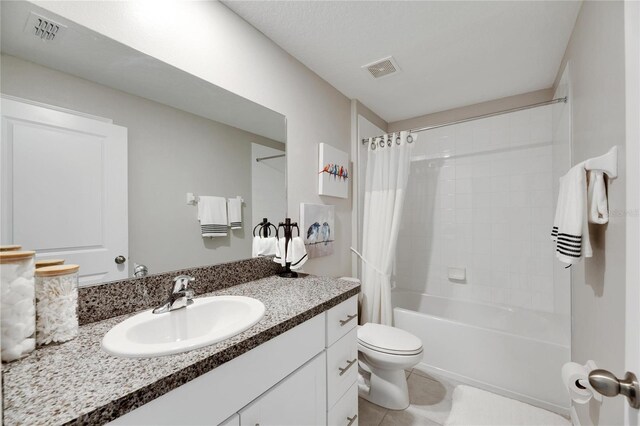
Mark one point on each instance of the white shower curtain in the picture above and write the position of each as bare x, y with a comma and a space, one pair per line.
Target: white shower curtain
388, 163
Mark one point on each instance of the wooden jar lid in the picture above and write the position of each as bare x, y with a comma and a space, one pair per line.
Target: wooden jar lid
48, 262
10, 247
53, 271
15, 256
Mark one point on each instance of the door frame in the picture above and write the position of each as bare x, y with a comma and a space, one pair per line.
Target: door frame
632, 99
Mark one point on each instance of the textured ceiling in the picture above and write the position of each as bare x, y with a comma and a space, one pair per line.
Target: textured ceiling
451, 53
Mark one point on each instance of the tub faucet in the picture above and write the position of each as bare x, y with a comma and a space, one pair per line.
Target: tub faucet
179, 297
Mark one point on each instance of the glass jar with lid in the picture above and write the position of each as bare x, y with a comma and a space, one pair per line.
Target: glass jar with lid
17, 303
56, 303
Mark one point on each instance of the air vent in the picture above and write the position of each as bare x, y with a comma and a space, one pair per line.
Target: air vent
44, 28
382, 67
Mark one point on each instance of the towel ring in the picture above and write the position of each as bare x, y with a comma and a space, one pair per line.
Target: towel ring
282, 225
262, 225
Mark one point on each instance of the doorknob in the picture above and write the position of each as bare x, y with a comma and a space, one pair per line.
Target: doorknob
120, 260
608, 384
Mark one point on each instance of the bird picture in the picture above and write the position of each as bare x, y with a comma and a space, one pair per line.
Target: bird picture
317, 222
325, 233
313, 232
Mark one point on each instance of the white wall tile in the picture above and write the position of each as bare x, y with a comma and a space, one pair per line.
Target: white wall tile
489, 211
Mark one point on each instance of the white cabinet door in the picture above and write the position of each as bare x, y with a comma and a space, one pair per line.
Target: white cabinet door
64, 188
299, 400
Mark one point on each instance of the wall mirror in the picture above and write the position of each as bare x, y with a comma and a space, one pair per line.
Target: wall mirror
101, 145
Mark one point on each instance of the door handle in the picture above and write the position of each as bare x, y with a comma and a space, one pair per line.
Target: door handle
120, 260
352, 419
607, 384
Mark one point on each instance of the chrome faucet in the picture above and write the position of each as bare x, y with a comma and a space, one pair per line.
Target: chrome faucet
179, 297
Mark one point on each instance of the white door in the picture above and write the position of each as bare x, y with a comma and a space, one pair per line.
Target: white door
64, 188
300, 399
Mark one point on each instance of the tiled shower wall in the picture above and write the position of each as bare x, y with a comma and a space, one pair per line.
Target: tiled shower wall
481, 197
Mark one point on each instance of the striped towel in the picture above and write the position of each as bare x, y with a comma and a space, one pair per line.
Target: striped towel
234, 207
570, 226
212, 214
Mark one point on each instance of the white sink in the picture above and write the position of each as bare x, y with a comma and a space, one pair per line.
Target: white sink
208, 320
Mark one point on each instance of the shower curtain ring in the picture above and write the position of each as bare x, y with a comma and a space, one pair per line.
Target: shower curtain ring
409, 138
373, 144
389, 140
381, 142
398, 139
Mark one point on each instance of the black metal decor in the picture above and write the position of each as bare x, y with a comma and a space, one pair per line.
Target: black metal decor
288, 226
265, 228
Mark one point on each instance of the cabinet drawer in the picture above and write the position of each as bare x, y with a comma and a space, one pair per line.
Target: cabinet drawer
345, 412
342, 367
341, 319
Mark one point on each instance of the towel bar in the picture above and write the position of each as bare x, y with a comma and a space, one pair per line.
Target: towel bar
608, 163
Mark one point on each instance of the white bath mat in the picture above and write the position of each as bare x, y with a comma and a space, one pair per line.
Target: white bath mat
475, 407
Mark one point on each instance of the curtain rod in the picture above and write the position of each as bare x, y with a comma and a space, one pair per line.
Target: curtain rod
259, 159
478, 117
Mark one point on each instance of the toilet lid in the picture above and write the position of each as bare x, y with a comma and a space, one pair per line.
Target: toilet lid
388, 339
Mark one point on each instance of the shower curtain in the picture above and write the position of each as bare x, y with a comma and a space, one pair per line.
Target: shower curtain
388, 163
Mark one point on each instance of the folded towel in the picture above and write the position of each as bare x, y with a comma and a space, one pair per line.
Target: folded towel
212, 214
296, 253
280, 252
597, 198
234, 206
264, 246
570, 226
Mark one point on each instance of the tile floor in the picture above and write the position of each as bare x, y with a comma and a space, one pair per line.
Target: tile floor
430, 398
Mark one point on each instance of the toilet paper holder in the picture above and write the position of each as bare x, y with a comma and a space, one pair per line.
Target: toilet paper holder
607, 384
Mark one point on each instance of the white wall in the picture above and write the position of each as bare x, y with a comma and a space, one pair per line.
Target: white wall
268, 192
596, 59
211, 42
365, 129
473, 110
170, 152
487, 208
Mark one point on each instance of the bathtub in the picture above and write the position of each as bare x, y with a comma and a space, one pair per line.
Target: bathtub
513, 352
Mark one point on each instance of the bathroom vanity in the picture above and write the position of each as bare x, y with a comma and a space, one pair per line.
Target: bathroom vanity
298, 365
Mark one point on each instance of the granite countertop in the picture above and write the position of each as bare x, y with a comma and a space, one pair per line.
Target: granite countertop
78, 383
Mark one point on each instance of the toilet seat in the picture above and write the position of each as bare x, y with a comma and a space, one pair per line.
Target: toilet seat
388, 340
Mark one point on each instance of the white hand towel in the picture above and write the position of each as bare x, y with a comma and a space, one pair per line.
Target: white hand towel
597, 198
234, 205
297, 253
264, 246
280, 252
212, 214
256, 246
269, 245
570, 226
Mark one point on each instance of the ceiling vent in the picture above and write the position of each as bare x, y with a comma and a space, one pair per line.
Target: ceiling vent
44, 28
382, 67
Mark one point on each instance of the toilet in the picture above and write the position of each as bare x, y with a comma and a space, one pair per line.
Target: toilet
384, 353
